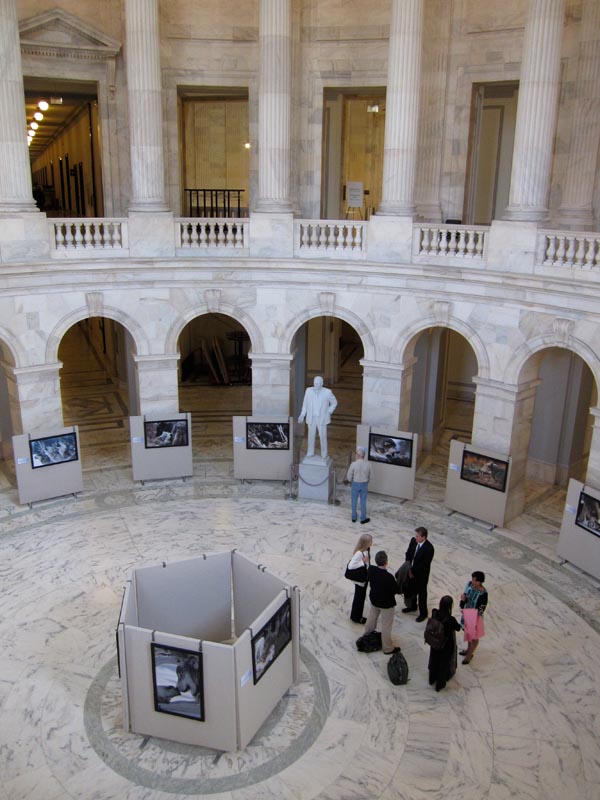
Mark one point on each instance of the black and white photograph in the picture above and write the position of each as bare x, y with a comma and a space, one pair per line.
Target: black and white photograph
390, 450
267, 436
588, 514
271, 640
52, 450
177, 678
484, 471
166, 433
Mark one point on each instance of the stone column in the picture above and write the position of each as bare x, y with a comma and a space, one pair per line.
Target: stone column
576, 210
402, 109
38, 389
502, 423
271, 383
144, 91
274, 106
386, 391
157, 383
536, 112
592, 475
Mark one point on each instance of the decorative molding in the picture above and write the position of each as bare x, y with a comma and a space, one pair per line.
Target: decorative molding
563, 328
441, 311
212, 298
327, 302
95, 303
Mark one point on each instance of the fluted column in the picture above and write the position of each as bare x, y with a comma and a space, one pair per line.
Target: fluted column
576, 208
402, 108
536, 112
274, 106
145, 106
15, 172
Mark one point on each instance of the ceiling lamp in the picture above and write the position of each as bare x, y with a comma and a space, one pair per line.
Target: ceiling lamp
39, 116
43, 105
34, 126
31, 134
373, 109
247, 145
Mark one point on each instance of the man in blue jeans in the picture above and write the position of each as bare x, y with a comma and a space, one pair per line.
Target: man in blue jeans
359, 474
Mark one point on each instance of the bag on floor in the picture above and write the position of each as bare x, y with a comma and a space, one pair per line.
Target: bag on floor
434, 635
397, 669
369, 642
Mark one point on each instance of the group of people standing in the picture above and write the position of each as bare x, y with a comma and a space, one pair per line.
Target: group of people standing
411, 580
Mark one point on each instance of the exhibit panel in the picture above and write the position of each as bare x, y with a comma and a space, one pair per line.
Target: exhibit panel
263, 447
47, 464
392, 456
253, 590
189, 598
161, 446
579, 538
477, 482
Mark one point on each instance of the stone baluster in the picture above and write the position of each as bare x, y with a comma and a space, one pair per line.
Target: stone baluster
402, 109
274, 106
15, 175
576, 210
536, 112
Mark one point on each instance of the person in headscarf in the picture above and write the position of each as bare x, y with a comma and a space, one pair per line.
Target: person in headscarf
442, 661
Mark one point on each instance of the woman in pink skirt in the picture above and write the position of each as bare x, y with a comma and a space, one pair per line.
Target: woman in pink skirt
473, 602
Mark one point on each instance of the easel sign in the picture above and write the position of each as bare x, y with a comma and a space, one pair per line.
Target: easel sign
354, 197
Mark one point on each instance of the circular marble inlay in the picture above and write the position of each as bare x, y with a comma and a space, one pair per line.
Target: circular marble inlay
286, 734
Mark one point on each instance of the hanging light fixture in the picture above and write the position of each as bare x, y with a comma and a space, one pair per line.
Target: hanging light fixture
43, 105
34, 126
39, 116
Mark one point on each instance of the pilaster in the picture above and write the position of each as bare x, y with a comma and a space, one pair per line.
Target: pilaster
271, 383
386, 394
157, 383
592, 476
38, 389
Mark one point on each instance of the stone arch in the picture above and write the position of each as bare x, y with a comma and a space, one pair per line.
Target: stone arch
513, 373
256, 339
409, 336
59, 330
341, 313
16, 351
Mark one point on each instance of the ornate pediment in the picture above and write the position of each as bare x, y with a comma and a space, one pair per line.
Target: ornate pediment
59, 34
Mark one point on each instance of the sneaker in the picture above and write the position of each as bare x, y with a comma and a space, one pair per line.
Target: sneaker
354, 520
364, 521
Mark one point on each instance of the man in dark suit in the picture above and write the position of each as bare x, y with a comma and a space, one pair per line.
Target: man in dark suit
420, 554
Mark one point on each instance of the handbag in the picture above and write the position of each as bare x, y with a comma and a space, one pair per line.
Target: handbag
358, 575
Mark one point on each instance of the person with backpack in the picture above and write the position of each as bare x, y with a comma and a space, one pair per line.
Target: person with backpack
383, 601
440, 635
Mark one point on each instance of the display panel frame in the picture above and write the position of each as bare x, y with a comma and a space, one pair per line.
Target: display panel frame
482, 470
588, 505
380, 450
188, 671
41, 445
263, 435
275, 633
161, 433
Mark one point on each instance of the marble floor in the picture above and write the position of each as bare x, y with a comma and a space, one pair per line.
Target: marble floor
521, 721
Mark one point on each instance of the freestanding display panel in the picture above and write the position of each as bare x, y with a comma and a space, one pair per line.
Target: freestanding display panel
161, 446
207, 647
579, 538
263, 447
48, 464
392, 456
477, 482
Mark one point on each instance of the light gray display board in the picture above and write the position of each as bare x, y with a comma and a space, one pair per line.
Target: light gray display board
316, 480
180, 595
271, 464
475, 500
577, 545
52, 479
154, 463
388, 477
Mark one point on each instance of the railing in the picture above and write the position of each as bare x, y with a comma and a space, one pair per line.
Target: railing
455, 241
344, 238
89, 234
569, 249
203, 234
214, 202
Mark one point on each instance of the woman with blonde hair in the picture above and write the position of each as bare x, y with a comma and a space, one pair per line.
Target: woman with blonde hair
356, 571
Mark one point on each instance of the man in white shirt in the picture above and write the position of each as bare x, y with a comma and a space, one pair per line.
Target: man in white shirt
359, 474
318, 406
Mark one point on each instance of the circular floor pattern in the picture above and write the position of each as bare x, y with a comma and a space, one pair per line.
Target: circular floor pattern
289, 731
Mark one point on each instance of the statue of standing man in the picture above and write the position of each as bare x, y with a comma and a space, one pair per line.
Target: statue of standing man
318, 406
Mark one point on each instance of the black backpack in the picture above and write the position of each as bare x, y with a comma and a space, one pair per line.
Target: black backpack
435, 635
397, 669
369, 642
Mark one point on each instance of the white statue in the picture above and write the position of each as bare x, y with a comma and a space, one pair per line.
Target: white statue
318, 406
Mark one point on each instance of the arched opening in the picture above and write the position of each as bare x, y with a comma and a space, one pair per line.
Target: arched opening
332, 348
215, 373
98, 380
443, 392
10, 418
560, 428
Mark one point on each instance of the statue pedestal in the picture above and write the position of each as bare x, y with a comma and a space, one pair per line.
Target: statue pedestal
315, 479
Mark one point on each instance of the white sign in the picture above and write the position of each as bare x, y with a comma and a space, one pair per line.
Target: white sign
246, 677
454, 467
354, 194
23, 460
136, 440
571, 509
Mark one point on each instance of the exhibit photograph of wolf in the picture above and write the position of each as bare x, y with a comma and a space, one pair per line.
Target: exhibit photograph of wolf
271, 640
177, 679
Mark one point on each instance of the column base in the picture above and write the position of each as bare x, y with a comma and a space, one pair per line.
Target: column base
575, 219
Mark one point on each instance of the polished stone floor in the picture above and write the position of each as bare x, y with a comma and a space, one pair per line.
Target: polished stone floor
521, 721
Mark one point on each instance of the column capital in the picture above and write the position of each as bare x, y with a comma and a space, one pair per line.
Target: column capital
383, 369
157, 361
33, 373
505, 391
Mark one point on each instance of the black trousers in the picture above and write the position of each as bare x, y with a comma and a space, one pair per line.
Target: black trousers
422, 599
358, 604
